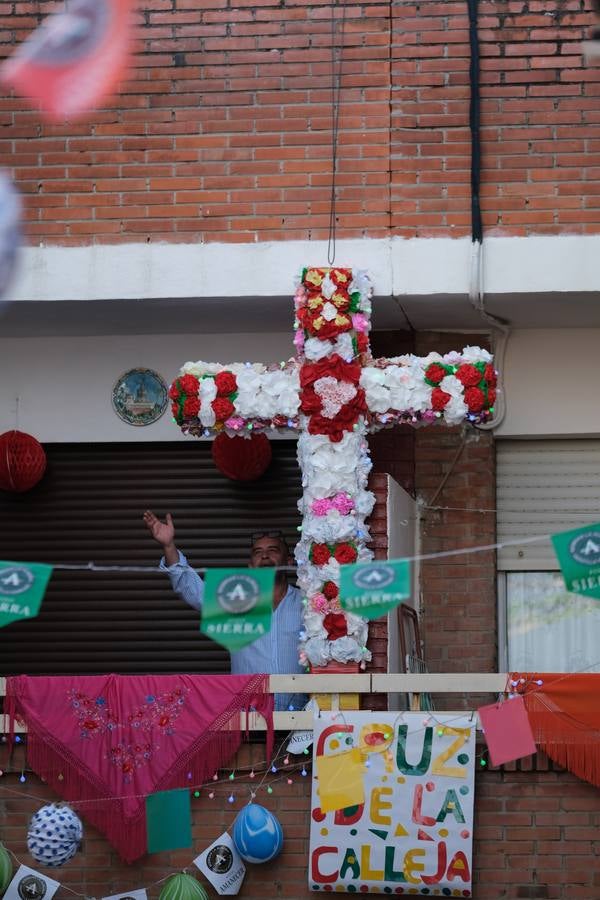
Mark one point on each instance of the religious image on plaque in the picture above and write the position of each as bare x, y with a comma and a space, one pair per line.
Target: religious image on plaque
140, 397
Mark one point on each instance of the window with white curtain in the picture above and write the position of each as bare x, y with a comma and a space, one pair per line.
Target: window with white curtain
547, 628
544, 487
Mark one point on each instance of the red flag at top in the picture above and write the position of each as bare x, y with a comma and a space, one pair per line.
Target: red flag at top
74, 58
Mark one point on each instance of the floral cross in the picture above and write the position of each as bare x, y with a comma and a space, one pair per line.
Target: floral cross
332, 394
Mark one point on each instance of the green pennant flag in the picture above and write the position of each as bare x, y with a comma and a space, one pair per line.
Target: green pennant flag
22, 589
372, 589
237, 605
168, 820
578, 553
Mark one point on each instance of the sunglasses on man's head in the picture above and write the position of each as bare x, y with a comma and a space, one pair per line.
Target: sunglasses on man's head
257, 535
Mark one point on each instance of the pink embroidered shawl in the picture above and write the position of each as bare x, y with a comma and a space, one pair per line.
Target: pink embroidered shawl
110, 740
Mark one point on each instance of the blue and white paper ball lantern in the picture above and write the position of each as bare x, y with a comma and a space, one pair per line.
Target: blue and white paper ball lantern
54, 835
257, 834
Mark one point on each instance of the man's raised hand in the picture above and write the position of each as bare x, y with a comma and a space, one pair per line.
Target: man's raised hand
162, 532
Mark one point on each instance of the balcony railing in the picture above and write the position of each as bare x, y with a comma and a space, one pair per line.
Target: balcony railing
366, 683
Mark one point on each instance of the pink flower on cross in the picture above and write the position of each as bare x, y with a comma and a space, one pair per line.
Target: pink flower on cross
360, 322
318, 603
235, 423
342, 503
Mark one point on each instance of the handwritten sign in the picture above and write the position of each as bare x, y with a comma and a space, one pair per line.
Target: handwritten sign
405, 820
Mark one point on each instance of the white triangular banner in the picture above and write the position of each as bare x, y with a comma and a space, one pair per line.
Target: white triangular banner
28, 884
222, 865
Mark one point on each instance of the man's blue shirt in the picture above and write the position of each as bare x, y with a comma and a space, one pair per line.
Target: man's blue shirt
275, 653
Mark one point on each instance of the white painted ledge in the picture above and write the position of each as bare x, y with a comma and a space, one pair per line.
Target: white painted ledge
414, 267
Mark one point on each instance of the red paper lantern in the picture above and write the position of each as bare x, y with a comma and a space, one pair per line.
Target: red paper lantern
242, 459
22, 461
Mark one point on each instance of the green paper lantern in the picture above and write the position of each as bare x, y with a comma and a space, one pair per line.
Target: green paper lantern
6, 869
183, 887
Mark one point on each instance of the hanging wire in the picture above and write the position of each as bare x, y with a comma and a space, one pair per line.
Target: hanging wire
441, 554
336, 85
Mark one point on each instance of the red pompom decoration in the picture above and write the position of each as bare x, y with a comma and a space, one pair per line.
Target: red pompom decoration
490, 375
468, 375
226, 383
189, 384
22, 461
335, 625
330, 589
439, 399
475, 399
320, 554
435, 373
345, 553
242, 459
222, 408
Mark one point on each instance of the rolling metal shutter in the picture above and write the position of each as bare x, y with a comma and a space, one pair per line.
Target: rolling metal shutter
544, 487
88, 508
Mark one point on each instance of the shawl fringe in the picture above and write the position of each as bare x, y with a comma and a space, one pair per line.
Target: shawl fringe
564, 715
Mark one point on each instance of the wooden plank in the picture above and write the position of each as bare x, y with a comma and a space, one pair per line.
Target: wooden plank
321, 684
283, 721
442, 683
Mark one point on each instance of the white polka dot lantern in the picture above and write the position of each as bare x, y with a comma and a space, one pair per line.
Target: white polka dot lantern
54, 835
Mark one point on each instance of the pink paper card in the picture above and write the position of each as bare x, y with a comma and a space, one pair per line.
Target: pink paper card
507, 730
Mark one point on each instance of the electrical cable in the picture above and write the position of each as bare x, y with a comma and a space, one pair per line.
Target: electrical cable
476, 284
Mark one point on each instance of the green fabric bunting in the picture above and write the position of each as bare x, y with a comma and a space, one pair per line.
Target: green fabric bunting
578, 553
237, 605
373, 589
168, 820
22, 589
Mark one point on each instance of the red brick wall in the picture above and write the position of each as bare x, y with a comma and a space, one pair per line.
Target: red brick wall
458, 592
539, 118
378, 637
535, 836
97, 871
222, 131
393, 449
393, 453
454, 478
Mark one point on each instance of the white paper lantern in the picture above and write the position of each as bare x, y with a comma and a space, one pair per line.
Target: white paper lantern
54, 835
